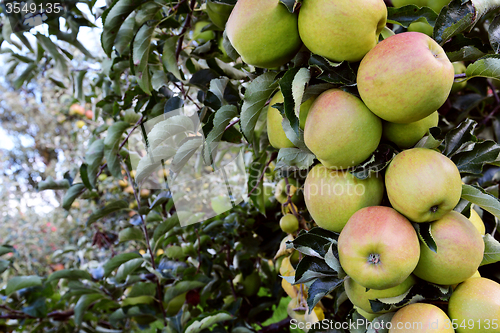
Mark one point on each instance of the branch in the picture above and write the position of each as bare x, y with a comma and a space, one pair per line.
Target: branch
187, 24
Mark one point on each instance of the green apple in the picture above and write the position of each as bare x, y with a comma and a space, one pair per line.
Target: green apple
476, 301
423, 184
405, 78
459, 68
437, 5
369, 316
280, 192
401, 3
360, 297
460, 250
340, 130
378, 247
289, 223
422, 27
219, 12
202, 36
250, 284
407, 135
323, 27
264, 32
304, 111
477, 221
275, 132
420, 318
333, 196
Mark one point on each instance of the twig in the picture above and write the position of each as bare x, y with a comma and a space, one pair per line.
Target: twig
231, 124
187, 24
273, 157
228, 258
491, 114
493, 90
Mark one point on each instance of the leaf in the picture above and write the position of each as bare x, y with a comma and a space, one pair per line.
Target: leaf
137, 300
108, 209
180, 288
296, 137
4, 249
127, 268
84, 176
222, 118
377, 162
487, 66
424, 232
209, 321
494, 34
406, 15
4, 264
113, 18
168, 57
429, 141
50, 184
289, 4
52, 49
185, 152
288, 110
256, 96
454, 19
129, 234
332, 260
480, 197
125, 34
337, 73
93, 157
457, 137
20, 282
472, 161
69, 274
165, 227
141, 46
491, 250
320, 288
74, 192
111, 144
298, 87
118, 260
25, 76
379, 324
82, 305
311, 245
294, 159
228, 47
310, 268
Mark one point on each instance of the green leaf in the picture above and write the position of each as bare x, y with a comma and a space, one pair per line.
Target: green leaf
298, 88
84, 176
111, 144
462, 48
286, 88
257, 94
79, 94
74, 192
228, 47
50, 184
125, 34
185, 152
337, 73
377, 162
424, 232
20, 282
93, 157
137, 300
140, 54
406, 15
457, 137
222, 118
209, 321
429, 141
312, 244
82, 305
4, 264
454, 19
165, 227
290, 159
129, 234
332, 261
127, 268
310, 268
480, 197
118, 260
472, 161
168, 57
4, 249
108, 209
289, 4
180, 288
52, 49
320, 288
69, 274
26, 76
488, 66
494, 34
491, 250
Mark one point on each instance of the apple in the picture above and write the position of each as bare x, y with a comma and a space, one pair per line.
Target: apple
422, 27
405, 78
89, 114
289, 223
360, 297
460, 250
401, 3
437, 5
293, 189
459, 68
218, 12
367, 315
263, 32
304, 111
250, 284
80, 124
275, 132
407, 135
477, 221
76, 109
420, 318
333, 196
340, 130
475, 275
476, 302
378, 247
323, 27
202, 36
423, 184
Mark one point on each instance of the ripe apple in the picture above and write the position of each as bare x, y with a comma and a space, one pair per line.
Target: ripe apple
219, 13
407, 135
401, 3
476, 301
378, 247
459, 68
477, 221
289, 223
322, 27
89, 114
202, 36
422, 27
460, 250
423, 184
420, 318
340, 130
264, 32
332, 196
360, 297
405, 78
76, 109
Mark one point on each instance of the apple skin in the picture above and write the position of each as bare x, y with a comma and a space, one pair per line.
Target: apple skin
289, 223
477, 221
407, 135
459, 68
476, 299
401, 3
218, 13
423, 184
422, 27
405, 78
263, 32
378, 247
340, 130
369, 316
420, 318
322, 27
332, 196
437, 5
460, 249
360, 297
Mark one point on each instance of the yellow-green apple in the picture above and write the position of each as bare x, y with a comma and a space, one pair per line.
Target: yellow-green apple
401, 3
475, 275
460, 250
80, 124
280, 192
264, 32
202, 36
360, 297
332, 196
420, 318
475, 306
304, 111
340, 130
289, 223
378, 247
459, 68
422, 27
423, 184
405, 78
323, 27
477, 221
369, 316
219, 12
407, 135
437, 5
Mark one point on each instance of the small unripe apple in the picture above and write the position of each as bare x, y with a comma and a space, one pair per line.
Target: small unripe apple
80, 124
422, 27
280, 192
102, 177
289, 223
459, 68
202, 36
407, 135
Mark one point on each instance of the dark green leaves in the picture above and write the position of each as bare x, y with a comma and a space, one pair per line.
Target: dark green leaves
140, 54
488, 66
111, 145
108, 209
480, 197
69, 274
74, 191
118, 260
459, 136
425, 235
341, 73
454, 19
377, 162
408, 14
93, 157
491, 250
473, 161
20, 282
51, 184
290, 159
